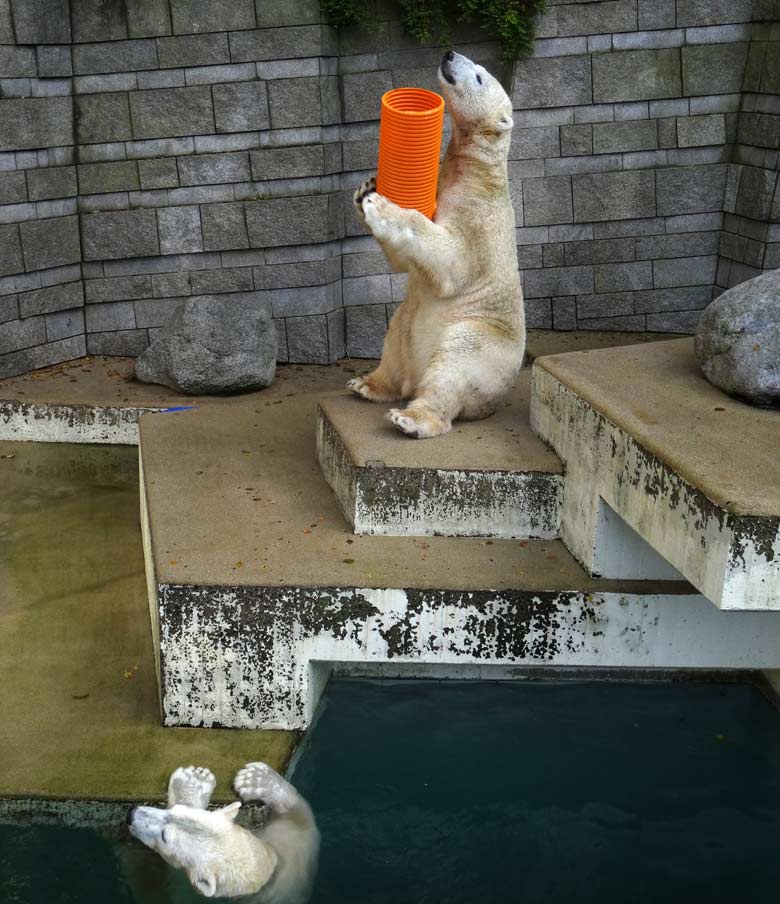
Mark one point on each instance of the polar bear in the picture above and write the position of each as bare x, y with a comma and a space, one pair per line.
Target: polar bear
456, 342
275, 864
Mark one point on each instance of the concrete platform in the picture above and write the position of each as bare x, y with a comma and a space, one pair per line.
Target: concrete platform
695, 474
491, 478
258, 587
80, 708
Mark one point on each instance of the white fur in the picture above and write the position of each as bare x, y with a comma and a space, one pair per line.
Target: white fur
275, 864
456, 343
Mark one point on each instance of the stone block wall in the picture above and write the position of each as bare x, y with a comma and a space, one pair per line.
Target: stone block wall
155, 149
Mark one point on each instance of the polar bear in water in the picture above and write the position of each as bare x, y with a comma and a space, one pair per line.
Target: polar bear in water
456, 343
276, 863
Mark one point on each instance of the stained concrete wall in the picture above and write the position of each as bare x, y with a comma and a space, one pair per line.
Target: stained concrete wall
156, 149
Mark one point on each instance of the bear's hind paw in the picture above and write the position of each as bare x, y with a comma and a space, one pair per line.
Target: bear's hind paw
191, 786
259, 782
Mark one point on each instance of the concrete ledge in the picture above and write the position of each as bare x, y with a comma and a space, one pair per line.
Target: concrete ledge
656, 456
491, 478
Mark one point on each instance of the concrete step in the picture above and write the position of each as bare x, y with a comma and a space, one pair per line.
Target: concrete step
665, 475
491, 478
258, 587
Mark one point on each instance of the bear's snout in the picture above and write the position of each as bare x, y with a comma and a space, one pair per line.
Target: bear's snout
130, 815
448, 57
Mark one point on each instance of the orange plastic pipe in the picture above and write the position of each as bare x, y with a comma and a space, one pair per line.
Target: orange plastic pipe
410, 129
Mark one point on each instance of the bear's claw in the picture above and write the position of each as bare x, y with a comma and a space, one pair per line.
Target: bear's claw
191, 786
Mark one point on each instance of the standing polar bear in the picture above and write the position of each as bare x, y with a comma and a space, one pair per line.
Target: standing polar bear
275, 864
456, 343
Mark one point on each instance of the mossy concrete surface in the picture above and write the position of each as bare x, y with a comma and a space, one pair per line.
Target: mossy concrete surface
80, 709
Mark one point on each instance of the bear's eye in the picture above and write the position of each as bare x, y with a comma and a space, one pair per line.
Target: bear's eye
479, 78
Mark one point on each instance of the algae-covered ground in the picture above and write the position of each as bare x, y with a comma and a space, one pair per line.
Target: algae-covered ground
80, 715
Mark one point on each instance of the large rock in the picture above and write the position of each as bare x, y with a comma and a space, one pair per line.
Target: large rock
213, 345
738, 340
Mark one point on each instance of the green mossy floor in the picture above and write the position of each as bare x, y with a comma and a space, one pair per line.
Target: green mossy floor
80, 716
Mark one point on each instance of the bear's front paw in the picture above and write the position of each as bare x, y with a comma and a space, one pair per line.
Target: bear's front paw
365, 188
191, 786
258, 781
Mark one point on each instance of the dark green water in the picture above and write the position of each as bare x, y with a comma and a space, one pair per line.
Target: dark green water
467, 793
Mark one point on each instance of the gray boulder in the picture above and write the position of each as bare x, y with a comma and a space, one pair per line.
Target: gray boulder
738, 340
213, 344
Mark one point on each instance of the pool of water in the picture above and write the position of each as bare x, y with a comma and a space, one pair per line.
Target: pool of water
481, 792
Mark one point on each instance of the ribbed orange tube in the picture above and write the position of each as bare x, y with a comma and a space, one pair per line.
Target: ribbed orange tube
410, 129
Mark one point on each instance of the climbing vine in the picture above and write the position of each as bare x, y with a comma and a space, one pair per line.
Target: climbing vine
512, 22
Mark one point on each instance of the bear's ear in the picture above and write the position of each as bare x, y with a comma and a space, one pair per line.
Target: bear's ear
231, 810
204, 882
504, 123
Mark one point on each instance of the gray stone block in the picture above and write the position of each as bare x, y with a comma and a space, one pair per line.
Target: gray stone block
190, 16
673, 322
127, 343
547, 201
367, 290
13, 188
576, 140
286, 163
17, 62
558, 281
656, 14
307, 339
54, 61
169, 285
50, 243
597, 18
611, 304
212, 75
119, 288
155, 312
614, 196
169, 112
52, 298
685, 271
40, 22
11, 260
64, 324
292, 275
193, 50
114, 56
232, 279
623, 277
160, 173
205, 169
695, 131
180, 231
690, 189
532, 143
552, 255
276, 43
623, 137
294, 102
288, 221
564, 313
148, 19
538, 313
9, 308
365, 327
98, 20
755, 192
112, 315
120, 175
224, 226
634, 75
292, 302
241, 107
161, 78
292, 12
362, 94
529, 257
35, 122
128, 233
52, 182
680, 245
601, 251
684, 298
713, 68
553, 82
19, 334
102, 118
6, 26
667, 132
712, 12
633, 323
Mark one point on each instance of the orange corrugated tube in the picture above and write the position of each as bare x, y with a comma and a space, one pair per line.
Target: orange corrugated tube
410, 129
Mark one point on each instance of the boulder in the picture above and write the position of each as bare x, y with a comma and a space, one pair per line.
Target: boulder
213, 344
738, 340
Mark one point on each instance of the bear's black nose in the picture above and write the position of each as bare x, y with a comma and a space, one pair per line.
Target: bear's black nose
449, 56
130, 814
